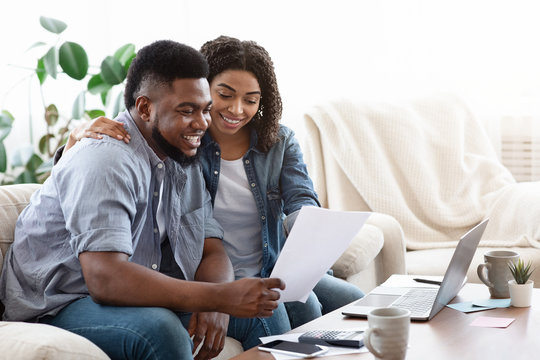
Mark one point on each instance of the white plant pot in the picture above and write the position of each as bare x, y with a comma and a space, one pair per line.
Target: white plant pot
520, 294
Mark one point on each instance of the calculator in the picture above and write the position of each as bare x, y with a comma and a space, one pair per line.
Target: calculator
346, 338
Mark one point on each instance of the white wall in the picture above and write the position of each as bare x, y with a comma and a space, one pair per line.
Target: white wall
484, 50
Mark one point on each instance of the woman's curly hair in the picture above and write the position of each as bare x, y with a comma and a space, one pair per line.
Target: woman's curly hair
227, 53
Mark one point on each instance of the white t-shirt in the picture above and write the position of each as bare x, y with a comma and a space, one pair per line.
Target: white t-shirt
236, 211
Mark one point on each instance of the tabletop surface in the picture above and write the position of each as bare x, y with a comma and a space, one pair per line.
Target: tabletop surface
449, 334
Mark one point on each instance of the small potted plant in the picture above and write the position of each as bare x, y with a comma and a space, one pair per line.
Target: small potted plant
521, 287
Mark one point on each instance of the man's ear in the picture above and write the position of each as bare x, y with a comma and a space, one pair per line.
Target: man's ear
143, 104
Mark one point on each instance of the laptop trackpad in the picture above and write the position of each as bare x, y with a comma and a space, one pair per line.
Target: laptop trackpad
377, 300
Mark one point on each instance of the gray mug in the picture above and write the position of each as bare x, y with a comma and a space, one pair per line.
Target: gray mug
495, 272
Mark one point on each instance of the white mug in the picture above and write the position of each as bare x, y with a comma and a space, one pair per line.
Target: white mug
388, 333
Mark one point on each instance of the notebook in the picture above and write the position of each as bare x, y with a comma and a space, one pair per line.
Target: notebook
424, 301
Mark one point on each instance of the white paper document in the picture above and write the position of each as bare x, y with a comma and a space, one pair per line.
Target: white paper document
318, 238
332, 350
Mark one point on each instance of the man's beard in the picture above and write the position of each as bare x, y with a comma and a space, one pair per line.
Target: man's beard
170, 150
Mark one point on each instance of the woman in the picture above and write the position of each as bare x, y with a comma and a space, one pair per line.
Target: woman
253, 167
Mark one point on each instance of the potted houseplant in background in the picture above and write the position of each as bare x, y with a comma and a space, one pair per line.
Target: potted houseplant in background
520, 287
62, 61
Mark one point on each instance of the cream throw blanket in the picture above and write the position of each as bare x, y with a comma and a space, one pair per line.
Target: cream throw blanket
428, 163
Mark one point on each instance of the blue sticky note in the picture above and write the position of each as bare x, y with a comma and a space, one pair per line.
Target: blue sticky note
468, 306
498, 303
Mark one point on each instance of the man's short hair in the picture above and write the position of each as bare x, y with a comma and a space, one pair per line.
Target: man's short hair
160, 63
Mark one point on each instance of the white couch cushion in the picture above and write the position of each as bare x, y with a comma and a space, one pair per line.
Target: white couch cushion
19, 340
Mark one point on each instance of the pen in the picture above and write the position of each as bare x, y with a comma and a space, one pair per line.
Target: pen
426, 281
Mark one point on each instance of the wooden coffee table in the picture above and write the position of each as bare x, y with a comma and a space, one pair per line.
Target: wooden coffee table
448, 335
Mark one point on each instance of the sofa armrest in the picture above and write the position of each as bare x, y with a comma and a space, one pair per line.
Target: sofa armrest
362, 250
13, 199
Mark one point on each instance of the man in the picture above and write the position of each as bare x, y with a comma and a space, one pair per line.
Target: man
109, 246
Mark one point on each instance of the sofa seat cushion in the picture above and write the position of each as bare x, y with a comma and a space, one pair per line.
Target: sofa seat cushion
435, 261
19, 340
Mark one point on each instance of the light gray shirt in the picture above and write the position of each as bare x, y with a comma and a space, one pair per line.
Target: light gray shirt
103, 196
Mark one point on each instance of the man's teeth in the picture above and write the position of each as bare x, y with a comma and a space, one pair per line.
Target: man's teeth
192, 139
234, 122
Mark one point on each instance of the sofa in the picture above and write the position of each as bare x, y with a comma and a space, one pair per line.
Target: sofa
376, 252
429, 163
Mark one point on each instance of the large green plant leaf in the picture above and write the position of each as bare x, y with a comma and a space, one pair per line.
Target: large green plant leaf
3, 157
51, 115
22, 155
96, 85
6, 121
92, 114
33, 163
26, 177
112, 71
50, 62
52, 25
73, 60
79, 105
40, 71
125, 53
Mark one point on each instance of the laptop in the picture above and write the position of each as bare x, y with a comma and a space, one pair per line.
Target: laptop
425, 301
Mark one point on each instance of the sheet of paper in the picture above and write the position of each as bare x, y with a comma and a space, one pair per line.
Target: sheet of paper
468, 307
494, 322
498, 303
480, 305
318, 238
332, 350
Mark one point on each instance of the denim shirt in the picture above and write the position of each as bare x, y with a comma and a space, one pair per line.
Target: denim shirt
101, 196
279, 182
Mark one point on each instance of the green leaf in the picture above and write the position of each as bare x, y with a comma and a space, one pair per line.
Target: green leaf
96, 85
36, 44
125, 53
105, 97
22, 155
112, 71
79, 105
33, 163
50, 61
73, 60
3, 158
119, 104
52, 25
44, 143
51, 115
26, 177
41, 72
6, 121
128, 63
92, 114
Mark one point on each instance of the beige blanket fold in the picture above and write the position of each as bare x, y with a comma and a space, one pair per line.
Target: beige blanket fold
428, 162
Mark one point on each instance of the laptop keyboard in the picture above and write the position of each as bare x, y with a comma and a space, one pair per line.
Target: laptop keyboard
418, 301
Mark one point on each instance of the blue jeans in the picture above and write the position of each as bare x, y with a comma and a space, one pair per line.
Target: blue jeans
152, 332
249, 330
334, 293
329, 294
126, 332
